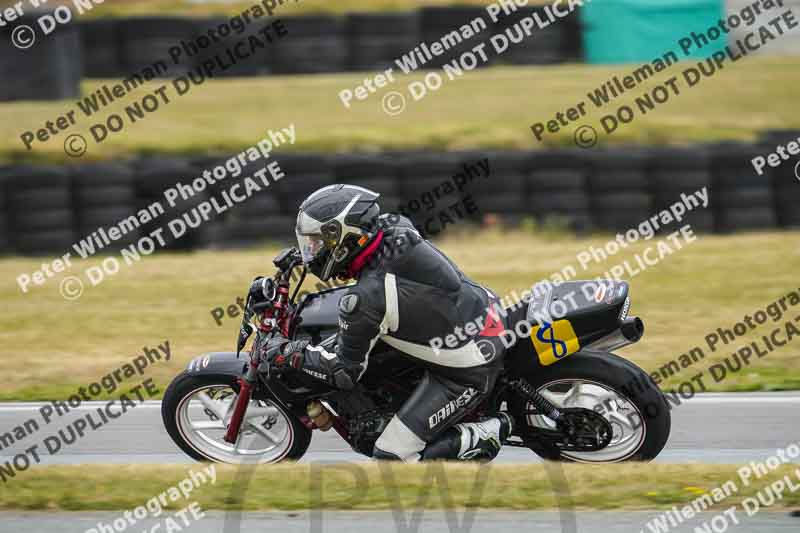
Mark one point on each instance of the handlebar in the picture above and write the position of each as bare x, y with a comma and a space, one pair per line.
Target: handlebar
269, 298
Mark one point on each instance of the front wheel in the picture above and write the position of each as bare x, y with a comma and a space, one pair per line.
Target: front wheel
197, 409
616, 389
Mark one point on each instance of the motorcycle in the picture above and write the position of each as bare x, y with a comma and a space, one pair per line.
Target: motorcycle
571, 397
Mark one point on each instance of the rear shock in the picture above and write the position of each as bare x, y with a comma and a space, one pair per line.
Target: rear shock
542, 404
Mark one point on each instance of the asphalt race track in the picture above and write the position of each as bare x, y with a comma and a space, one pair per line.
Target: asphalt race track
429, 522
710, 428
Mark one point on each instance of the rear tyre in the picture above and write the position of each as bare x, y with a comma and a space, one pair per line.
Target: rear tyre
617, 389
196, 410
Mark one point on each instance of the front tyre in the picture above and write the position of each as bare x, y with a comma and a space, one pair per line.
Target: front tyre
611, 386
197, 408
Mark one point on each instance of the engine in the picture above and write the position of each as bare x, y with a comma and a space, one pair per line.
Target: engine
365, 429
367, 413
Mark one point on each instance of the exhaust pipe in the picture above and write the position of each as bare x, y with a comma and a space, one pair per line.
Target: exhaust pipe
630, 330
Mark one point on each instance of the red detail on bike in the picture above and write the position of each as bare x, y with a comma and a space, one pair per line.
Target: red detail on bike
242, 401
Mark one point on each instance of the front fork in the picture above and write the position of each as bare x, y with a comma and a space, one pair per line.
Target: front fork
242, 401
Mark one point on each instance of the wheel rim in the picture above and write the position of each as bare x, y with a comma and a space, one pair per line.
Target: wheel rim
628, 425
203, 416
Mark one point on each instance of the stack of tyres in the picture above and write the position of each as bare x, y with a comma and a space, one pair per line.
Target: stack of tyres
443, 25
100, 40
619, 189
50, 69
742, 200
556, 191
772, 138
374, 172
544, 46
313, 44
146, 41
675, 172
786, 176
572, 45
41, 217
256, 63
786, 187
375, 40
303, 174
259, 217
495, 181
215, 233
104, 195
154, 177
428, 195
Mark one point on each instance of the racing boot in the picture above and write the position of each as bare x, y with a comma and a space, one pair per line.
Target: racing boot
479, 441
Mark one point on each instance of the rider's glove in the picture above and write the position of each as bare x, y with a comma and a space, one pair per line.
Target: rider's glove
271, 352
280, 353
294, 354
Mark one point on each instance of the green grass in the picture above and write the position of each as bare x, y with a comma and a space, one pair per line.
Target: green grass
51, 346
490, 108
369, 486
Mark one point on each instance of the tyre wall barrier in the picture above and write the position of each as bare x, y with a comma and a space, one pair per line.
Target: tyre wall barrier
784, 179
120, 47
375, 40
45, 209
50, 69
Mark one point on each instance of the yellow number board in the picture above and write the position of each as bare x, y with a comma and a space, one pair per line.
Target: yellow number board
555, 341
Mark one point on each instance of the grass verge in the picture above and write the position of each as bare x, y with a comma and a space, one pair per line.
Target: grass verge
370, 486
489, 108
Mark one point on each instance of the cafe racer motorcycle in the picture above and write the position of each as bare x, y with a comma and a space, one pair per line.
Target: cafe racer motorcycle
571, 397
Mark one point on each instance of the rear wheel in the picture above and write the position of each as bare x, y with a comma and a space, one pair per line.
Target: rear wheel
196, 411
616, 389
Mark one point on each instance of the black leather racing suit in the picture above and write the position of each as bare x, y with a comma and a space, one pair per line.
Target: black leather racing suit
407, 295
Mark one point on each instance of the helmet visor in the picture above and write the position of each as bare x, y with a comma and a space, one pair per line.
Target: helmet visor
309, 237
310, 246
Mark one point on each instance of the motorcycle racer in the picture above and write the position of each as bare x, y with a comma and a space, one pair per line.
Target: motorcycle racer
406, 293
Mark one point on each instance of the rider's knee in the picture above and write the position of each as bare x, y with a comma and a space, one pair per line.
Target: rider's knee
398, 443
382, 455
